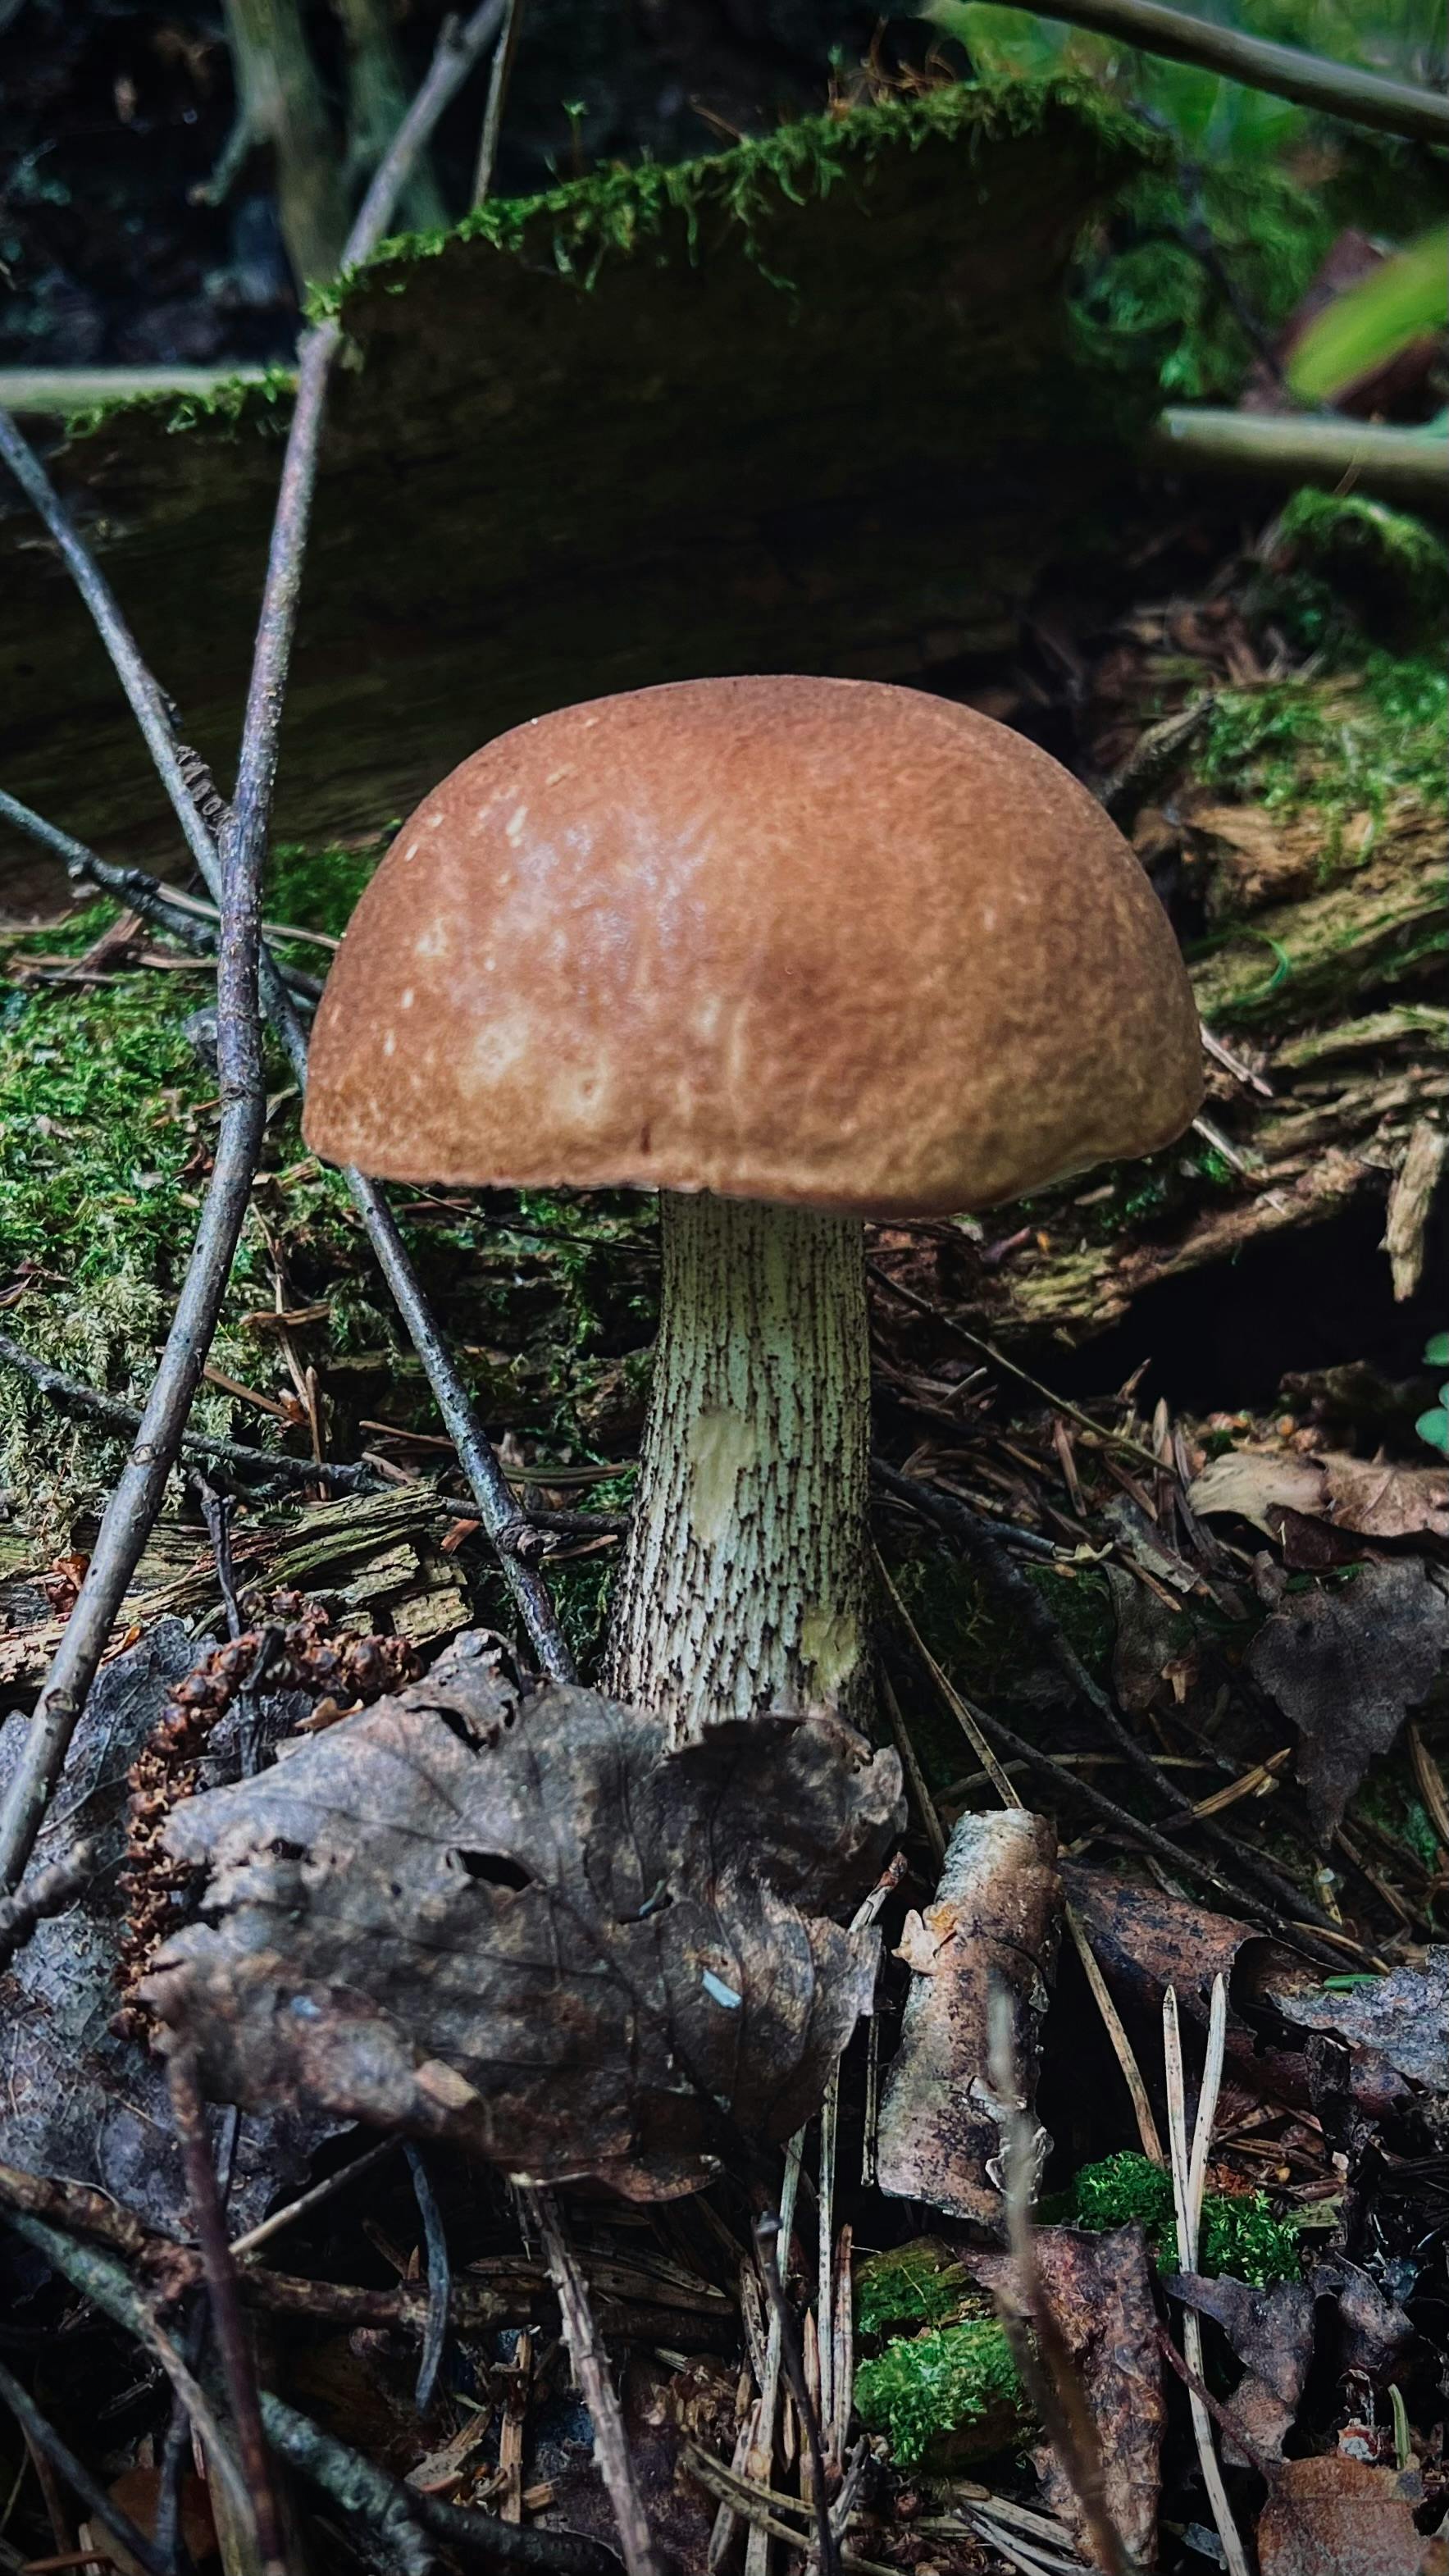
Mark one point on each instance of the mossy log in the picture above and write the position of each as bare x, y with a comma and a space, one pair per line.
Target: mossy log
1322, 967
816, 403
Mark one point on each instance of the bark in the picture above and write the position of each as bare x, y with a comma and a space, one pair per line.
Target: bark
743, 1585
993, 1925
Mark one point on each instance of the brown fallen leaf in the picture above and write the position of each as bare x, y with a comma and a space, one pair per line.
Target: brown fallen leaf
994, 1922
1100, 2290
1370, 1498
519, 1924
1378, 1500
1343, 2514
1346, 1663
1146, 1941
1271, 2331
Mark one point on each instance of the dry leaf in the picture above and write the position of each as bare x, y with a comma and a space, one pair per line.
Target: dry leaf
1382, 1501
1271, 2331
1403, 2018
1370, 1498
1346, 1664
1343, 2514
521, 1925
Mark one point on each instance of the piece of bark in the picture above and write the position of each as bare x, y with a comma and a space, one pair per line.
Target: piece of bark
1100, 2291
994, 1922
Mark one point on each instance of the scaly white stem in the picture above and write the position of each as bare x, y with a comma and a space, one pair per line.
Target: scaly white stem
743, 1585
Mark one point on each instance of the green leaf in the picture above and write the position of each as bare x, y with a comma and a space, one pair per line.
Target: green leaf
1370, 323
1434, 1426
1436, 1350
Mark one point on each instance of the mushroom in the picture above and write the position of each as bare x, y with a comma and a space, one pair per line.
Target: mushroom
792, 952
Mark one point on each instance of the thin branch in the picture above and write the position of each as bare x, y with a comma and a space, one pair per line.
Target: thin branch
435, 2333
499, 1513
49, 1892
133, 1507
768, 2232
502, 72
1333, 89
596, 2387
102, 2279
189, 2113
1022, 1596
117, 1415
47, 2444
1407, 465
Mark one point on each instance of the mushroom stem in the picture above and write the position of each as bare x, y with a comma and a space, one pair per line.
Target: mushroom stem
743, 1585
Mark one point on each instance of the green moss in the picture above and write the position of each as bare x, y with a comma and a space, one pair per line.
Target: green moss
1163, 275
944, 2397
1291, 744
920, 2284
639, 210
1342, 570
104, 1126
317, 889
1239, 2233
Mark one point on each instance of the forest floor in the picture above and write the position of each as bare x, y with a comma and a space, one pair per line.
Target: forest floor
1163, 1525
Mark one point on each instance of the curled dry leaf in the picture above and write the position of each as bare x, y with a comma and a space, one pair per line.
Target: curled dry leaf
1146, 1941
994, 1923
1343, 2514
522, 1925
1346, 1663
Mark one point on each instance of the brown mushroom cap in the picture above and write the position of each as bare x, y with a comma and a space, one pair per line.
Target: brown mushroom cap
817, 941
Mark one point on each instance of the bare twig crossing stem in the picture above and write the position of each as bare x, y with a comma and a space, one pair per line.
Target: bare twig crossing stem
1047, 2369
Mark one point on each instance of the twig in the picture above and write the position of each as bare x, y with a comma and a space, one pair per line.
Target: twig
1122, 2048
102, 2278
182, 916
48, 2445
119, 1416
596, 2387
267, 2228
1188, 2178
764, 2508
768, 2231
1152, 762
49, 1892
1333, 89
1049, 2373
502, 72
189, 2113
1408, 465
435, 2334
961, 1333
498, 1511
